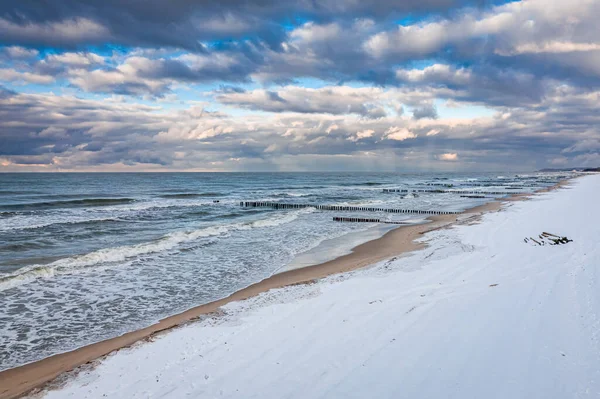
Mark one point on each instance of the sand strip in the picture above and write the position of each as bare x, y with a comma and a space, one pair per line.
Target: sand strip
21, 380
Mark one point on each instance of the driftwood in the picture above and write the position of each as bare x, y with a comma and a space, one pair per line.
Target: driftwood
547, 239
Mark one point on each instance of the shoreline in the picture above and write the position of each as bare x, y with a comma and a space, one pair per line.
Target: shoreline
24, 379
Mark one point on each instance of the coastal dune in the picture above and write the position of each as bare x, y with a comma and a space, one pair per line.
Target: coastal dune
437, 321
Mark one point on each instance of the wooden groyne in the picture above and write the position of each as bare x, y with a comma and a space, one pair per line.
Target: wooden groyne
365, 220
464, 184
279, 205
437, 184
405, 191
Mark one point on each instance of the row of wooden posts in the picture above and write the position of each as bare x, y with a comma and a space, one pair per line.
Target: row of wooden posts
279, 205
473, 185
463, 193
365, 220
398, 190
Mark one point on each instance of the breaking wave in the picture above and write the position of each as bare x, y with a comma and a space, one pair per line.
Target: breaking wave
190, 195
115, 255
89, 202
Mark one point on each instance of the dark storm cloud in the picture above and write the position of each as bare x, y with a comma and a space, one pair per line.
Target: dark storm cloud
533, 65
184, 23
495, 55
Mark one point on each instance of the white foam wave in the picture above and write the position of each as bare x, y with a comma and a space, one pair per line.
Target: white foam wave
116, 255
104, 256
108, 213
26, 223
279, 220
163, 203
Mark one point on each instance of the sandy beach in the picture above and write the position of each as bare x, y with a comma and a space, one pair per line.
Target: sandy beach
18, 381
303, 200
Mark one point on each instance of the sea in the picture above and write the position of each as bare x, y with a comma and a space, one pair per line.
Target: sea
90, 256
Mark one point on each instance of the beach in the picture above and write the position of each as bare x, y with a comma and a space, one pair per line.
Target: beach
394, 243
391, 246
89, 257
257, 199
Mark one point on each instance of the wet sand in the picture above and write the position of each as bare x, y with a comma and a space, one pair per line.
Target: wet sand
24, 379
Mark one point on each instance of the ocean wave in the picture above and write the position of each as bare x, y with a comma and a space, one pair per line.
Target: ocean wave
279, 220
112, 256
369, 183
136, 210
18, 192
191, 195
88, 202
171, 203
104, 256
234, 215
287, 195
344, 198
298, 187
24, 246
28, 225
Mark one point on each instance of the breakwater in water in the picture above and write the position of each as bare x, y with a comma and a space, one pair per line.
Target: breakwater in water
365, 220
405, 191
278, 205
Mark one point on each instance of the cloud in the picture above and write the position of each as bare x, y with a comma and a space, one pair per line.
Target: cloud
67, 32
11, 75
185, 24
399, 134
502, 35
263, 85
449, 156
363, 134
368, 102
556, 47
80, 59
513, 51
51, 131
425, 111
17, 52
138, 75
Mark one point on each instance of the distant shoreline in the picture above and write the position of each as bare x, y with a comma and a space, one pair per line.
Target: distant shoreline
23, 379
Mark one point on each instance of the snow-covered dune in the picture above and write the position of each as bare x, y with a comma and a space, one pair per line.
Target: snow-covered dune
479, 313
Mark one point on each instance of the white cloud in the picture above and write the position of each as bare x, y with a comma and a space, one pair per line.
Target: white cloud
521, 27
556, 47
11, 75
363, 134
17, 52
399, 134
76, 59
450, 156
366, 101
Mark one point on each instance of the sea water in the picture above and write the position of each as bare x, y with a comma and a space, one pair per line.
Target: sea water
86, 257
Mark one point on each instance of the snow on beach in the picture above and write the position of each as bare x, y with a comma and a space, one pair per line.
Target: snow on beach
479, 313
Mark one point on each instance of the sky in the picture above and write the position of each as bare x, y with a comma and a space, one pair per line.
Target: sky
328, 85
